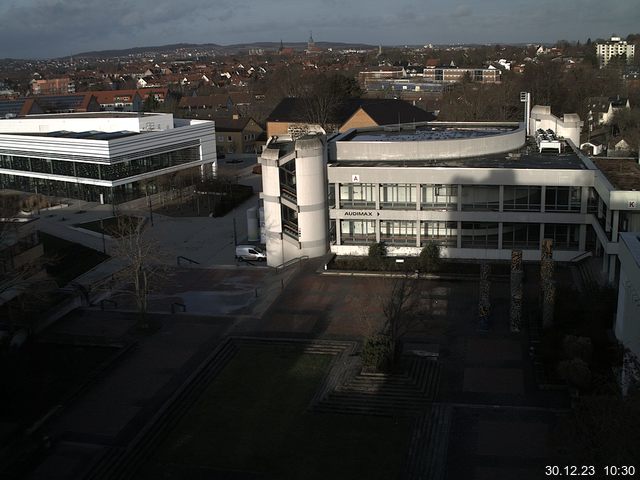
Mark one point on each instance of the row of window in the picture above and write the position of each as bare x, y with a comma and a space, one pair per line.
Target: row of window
114, 171
91, 193
472, 234
473, 197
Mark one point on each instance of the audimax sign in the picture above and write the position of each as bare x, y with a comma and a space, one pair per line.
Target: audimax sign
360, 213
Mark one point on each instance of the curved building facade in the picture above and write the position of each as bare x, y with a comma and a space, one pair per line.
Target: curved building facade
295, 199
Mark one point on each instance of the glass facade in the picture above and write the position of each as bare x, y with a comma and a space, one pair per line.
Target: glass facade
522, 198
357, 195
441, 233
91, 193
358, 232
521, 235
565, 237
439, 197
398, 196
481, 197
398, 232
562, 199
479, 235
98, 171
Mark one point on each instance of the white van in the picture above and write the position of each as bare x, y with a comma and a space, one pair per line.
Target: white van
250, 252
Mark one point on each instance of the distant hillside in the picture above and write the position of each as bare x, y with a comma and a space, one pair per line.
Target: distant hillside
138, 50
218, 48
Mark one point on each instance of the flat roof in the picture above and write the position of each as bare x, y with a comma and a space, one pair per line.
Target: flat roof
94, 115
526, 157
623, 173
88, 135
407, 133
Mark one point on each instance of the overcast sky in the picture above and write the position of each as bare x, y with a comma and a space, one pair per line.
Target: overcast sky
55, 28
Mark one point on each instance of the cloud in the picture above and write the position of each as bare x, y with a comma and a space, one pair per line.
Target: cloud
462, 11
41, 28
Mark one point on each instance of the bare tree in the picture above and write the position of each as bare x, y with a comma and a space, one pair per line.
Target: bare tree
143, 258
397, 309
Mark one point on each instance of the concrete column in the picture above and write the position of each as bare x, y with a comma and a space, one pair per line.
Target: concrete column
582, 239
418, 196
615, 221
612, 268
337, 199
459, 231
418, 232
376, 195
607, 223
543, 196
584, 199
500, 208
377, 224
459, 198
500, 229
541, 235
338, 232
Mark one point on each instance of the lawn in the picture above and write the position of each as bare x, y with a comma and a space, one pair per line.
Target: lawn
254, 418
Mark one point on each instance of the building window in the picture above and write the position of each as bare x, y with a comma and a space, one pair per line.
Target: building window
398, 196
288, 181
331, 195
521, 235
221, 138
358, 232
439, 197
562, 199
357, 195
522, 198
442, 233
481, 197
290, 222
479, 235
398, 232
565, 237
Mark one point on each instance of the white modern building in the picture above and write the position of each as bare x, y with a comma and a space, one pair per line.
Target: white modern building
478, 190
111, 157
615, 47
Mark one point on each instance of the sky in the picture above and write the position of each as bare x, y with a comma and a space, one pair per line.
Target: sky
59, 28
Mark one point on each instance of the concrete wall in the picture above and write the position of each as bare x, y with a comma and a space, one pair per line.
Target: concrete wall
86, 122
311, 190
428, 149
627, 325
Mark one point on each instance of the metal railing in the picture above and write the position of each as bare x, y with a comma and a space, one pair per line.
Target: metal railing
180, 257
293, 261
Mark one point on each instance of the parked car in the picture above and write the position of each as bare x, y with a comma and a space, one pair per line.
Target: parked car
250, 252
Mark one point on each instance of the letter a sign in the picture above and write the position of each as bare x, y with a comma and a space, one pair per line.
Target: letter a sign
355, 178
